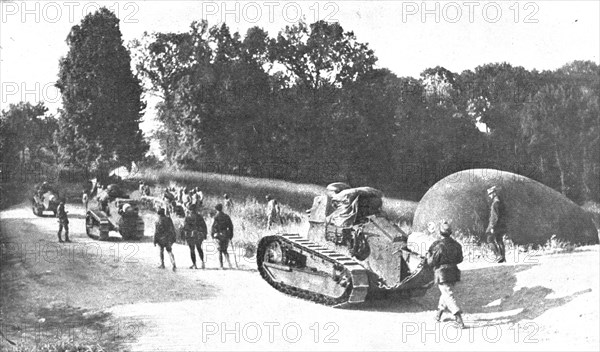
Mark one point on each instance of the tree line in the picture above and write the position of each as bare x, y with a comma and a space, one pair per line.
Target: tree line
310, 104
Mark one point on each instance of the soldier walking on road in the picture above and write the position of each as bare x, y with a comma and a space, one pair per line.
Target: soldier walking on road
222, 231
164, 236
443, 256
63, 221
496, 226
195, 230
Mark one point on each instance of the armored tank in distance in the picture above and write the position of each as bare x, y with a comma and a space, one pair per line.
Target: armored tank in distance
112, 210
45, 198
351, 253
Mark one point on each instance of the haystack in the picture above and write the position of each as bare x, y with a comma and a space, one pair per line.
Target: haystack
534, 212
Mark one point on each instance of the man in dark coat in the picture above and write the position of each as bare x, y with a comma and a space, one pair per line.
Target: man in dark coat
496, 228
63, 221
222, 232
443, 256
195, 230
164, 236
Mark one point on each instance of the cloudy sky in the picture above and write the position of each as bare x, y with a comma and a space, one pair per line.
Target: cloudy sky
407, 36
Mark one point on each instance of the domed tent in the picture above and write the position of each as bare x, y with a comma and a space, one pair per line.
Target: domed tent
534, 212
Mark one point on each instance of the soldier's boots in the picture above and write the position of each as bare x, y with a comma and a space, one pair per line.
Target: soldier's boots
202, 264
162, 266
459, 320
193, 267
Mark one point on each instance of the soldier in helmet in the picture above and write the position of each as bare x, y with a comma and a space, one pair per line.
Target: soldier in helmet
444, 255
164, 236
496, 228
195, 231
222, 232
63, 221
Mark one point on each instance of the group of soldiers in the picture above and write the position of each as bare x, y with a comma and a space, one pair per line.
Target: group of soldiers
194, 231
446, 253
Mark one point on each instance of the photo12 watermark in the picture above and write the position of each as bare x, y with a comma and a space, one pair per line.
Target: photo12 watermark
60, 11
269, 11
469, 11
271, 332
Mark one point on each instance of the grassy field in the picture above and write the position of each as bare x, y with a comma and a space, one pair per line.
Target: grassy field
248, 195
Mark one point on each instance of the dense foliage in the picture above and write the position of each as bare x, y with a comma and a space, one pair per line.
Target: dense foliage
310, 105
102, 106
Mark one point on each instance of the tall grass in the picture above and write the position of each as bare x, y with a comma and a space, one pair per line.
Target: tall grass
296, 196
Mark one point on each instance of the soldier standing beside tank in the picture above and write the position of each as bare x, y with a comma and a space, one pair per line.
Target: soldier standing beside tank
497, 226
443, 256
63, 221
195, 230
164, 236
273, 211
222, 232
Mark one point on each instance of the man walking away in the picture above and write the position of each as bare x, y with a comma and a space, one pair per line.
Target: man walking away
195, 230
496, 226
63, 221
443, 256
164, 236
222, 232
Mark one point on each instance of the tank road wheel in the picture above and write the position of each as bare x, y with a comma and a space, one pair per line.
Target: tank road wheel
273, 253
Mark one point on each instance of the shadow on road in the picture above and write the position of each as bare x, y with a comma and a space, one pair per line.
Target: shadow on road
479, 288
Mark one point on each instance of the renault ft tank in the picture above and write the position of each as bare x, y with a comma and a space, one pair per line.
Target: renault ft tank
351, 253
45, 198
111, 212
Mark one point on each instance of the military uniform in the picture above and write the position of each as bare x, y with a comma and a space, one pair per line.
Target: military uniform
222, 231
443, 256
164, 236
496, 228
195, 230
63, 222
273, 213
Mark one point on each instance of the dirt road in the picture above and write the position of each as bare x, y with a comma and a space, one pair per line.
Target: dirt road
548, 302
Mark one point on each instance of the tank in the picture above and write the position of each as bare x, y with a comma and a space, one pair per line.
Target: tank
351, 254
45, 198
106, 213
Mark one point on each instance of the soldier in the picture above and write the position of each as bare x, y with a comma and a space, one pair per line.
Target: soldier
496, 226
164, 236
63, 221
195, 230
443, 256
85, 198
222, 231
227, 202
273, 211
197, 197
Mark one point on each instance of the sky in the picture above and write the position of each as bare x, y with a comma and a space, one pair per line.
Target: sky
407, 36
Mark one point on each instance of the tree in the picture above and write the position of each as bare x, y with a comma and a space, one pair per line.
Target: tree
102, 105
26, 137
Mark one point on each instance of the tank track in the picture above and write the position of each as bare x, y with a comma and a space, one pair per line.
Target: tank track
357, 288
